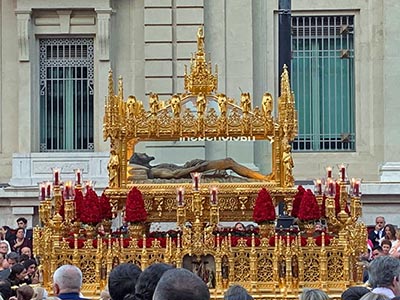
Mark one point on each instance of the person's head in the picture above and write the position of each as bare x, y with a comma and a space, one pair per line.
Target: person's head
354, 293
39, 293
386, 245
5, 289
373, 296
23, 258
237, 292
26, 251
122, 280
377, 251
239, 227
12, 258
4, 247
20, 233
180, 283
30, 266
22, 222
25, 292
148, 279
390, 232
67, 279
18, 273
250, 227
384, 271
313, 294
379, 222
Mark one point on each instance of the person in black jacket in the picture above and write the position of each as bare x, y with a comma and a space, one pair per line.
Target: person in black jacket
378, 233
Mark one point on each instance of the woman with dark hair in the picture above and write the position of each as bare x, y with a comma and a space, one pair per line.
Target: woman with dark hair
122, 280
31, 270
148, 279
20, 241
17, 275
390, 232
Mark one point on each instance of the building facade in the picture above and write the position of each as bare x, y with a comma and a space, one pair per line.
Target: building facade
55, 57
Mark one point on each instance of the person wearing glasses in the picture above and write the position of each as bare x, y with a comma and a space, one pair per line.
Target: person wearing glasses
23, 223
5, 247
378, 234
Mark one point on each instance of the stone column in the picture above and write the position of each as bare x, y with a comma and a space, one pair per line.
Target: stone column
24, 76
102, 57
390, 169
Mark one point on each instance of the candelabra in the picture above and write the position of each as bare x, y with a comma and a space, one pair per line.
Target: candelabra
348, 204
200, 231
57, 205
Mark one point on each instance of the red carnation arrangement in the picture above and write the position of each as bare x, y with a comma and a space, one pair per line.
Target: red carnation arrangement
105, 207
134, 210
264, 210
78, 204
90, 210
309, 208
297, 201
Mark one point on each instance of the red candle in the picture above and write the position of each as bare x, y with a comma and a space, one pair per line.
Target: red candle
180, 196
196, 181
42, 192
214, 196
356, 188
48, 188
67, 191
331, 188
329, 172
56, 177
343, 172
78, 177
319, 187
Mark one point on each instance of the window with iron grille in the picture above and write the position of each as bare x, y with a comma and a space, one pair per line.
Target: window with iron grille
66, 94
323, 81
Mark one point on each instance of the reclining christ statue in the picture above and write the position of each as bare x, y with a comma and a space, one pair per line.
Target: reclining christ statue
173, 171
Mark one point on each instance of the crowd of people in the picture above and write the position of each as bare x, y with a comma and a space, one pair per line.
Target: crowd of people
160, 281
383, 240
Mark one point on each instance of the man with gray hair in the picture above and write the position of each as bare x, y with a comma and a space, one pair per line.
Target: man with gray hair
67, 283
181, 284
384, 276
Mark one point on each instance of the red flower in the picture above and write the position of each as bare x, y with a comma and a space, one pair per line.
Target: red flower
78, 204
90, 210
134, 210
264, 209
105, 207
309, 208
297, 201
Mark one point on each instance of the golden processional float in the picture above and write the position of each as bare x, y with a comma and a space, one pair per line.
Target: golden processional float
272, 263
